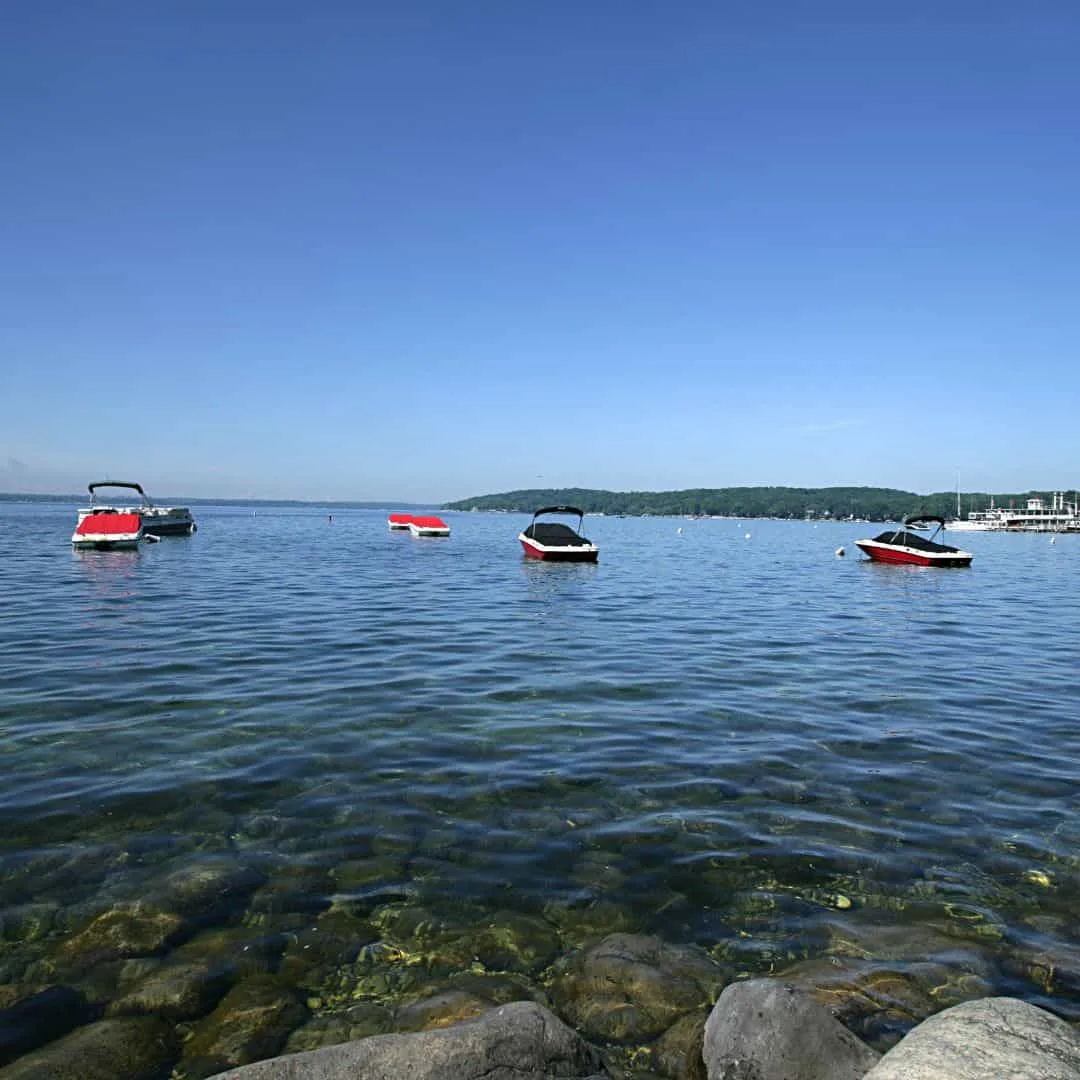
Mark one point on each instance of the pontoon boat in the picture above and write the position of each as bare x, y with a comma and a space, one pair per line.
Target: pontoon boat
153, 520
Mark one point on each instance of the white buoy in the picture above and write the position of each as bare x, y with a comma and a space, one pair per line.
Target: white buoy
747, 536
840, 551
679, 530
1053, 539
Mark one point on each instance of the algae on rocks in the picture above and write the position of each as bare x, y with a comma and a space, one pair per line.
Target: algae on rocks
252, 1022
630, 988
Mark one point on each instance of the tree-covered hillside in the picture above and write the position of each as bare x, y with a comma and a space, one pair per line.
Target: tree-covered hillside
876, 504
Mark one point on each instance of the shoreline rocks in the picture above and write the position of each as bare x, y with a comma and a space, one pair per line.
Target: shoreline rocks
520, 1041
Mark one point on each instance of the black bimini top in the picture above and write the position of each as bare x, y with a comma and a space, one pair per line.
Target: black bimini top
559, 510
116, 483
904, 538
930, 519
554, 534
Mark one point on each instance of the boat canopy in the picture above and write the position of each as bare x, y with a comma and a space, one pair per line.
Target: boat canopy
118, 483
559, 510
915, 520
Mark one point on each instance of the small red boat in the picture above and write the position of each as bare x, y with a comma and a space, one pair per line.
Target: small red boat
399, 521
905, 546
428, 526
555, 541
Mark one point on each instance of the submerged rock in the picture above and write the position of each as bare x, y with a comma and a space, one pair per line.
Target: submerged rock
34, 1019
178, 991
329, 1029
328, 942
252, 1022
236, 952
678, 1052
631, 988
513, 942
994, 1037
135, 1048
207, 890
522, 1041
133, 930
880, 999
439, 1010
763, 1029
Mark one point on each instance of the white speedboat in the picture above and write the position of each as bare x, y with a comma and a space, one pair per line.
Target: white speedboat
554, 541
152, 520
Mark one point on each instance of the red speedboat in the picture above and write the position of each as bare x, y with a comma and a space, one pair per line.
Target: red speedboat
555, 541
902, 545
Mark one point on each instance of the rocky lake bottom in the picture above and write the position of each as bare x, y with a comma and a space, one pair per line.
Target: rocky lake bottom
291, 782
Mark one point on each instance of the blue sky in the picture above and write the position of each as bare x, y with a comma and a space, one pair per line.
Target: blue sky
430, 250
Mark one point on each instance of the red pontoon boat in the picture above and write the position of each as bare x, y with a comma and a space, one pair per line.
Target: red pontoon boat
903, 546
555, 541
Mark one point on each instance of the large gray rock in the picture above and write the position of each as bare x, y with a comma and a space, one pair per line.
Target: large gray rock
981, 1040
763, 1029
520, 1041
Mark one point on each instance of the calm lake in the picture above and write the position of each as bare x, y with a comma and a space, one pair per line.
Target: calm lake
741, 742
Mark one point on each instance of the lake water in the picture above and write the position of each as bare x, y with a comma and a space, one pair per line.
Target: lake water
741, 742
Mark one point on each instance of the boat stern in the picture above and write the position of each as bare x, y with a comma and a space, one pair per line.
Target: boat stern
108, 530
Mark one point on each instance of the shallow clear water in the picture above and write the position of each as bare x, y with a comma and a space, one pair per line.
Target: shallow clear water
732, 741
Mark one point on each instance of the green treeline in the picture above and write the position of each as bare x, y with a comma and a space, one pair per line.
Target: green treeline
875, 504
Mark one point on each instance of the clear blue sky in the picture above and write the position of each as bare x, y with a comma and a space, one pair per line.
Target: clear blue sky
428, 250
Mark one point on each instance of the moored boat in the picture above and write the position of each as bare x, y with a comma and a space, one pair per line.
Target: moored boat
399, 521
904, 545
108, 530
555, 541
428, 525
153, 520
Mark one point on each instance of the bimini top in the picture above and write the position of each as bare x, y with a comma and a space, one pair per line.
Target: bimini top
118, 484
902, 538
559, 510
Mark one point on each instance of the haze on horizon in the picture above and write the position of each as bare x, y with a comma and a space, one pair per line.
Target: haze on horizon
423, 253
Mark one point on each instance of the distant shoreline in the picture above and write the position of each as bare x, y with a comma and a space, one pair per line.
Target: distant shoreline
376, 504
787, 503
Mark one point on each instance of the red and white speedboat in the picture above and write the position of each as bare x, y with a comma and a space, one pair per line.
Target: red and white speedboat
428, 526
904, 546
555, 541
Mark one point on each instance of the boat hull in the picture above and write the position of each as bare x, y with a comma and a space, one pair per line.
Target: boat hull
567, 553
174, 521
904, 556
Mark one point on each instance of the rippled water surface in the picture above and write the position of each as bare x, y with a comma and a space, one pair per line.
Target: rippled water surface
739, 741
